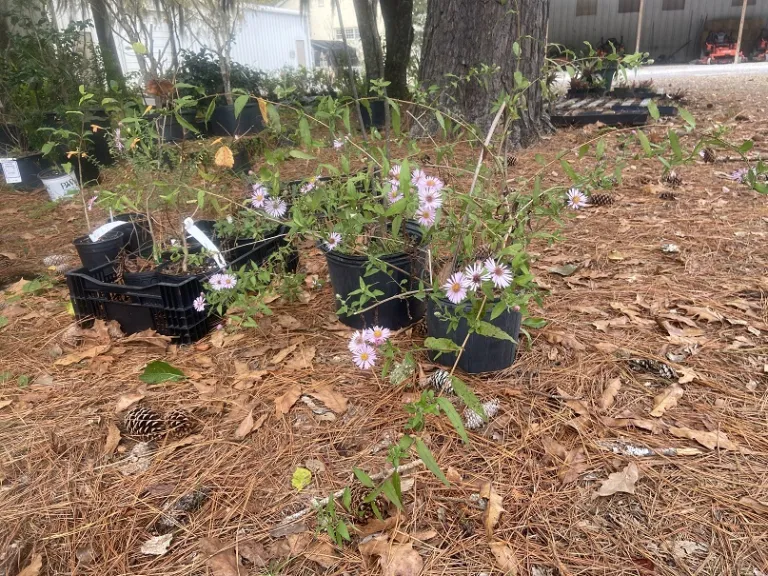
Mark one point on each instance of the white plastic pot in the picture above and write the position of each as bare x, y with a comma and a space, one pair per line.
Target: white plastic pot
58, 184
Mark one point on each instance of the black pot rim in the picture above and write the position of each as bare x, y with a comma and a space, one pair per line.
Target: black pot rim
50, 173
108, 237
353, 259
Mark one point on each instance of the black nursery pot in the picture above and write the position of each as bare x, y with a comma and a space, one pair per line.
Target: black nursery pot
377, 116
224, 123
104, 250
170, 130
481, 353
29, 166
137, 236
403, 273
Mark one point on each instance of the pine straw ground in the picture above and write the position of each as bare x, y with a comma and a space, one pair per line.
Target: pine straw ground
68, 507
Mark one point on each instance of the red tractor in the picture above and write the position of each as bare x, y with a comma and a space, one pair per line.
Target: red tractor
719, 48
761, 50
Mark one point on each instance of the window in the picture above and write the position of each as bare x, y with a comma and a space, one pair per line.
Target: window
626, 6
586, 7
739, 3
673, 5
350, 33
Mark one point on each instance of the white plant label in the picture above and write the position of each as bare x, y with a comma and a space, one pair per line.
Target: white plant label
96, 235
10, 170
206, 242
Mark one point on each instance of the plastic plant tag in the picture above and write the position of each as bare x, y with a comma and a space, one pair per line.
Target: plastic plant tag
96, 235
10, 170
205, 242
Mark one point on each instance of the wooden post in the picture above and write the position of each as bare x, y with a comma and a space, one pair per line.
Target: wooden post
639, 25
741, 31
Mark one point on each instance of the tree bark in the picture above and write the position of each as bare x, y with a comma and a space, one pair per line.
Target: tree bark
365, 11
398, 26
106, 42
463, 36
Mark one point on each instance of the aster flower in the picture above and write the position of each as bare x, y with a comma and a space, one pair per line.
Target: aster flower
275, 207
430, 198
308, 187
433, 182
739, 175
576, 198
476, 274
418, 177
228, 281
426, 216
500, 274
394, 195
90, 202
338, 144
358, 340
377, 335
334, 239
199, 303
364, 357
215, 282
259, 196
395, 171
456, 287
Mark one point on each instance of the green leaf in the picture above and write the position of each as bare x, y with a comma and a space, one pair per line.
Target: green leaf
688, 117
441, 344
201, 198
487, 329
570, 172
534, 322
363, 478
345, 119
3, 322
653, 110
301, 478
600, 151
441, 121
746, 146
429, 460
389, 490
540, 159
644, 142
306, 135
341, 530
453, 417
274, 118
397, 221
395, 117
240, 103
159, 371
674, 142
346, 499
184, 123
139, 48
301, 155
583, 149
516, 49
467, 396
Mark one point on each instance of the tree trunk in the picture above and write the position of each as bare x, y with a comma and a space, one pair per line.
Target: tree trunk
398, 25
369, 37
461, 36
106, 41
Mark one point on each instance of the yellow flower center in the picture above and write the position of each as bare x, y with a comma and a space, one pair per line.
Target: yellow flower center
456, 287
364, 356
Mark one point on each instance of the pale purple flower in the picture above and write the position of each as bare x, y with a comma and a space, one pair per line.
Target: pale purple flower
118, 142
739, 175
358, 339
259, 196
433, 182
364, 357
215, 282
308, 187
338, 144
394, 195
500, 274
576, 198
199, 303
426, 216
228, 281
377, 335
334, 239
430, 198
395, 171
702, 153
275, 207
476, 274
418, 177
456, 287
90, 202
219, 326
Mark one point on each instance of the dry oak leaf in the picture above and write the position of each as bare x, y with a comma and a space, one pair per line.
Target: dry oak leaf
283, 354
505, 558
566, 340
493, 509
571, 463
34, 566
603, 325
623, 481
323, 553
157, 545
709, 440
301, 360
223, 157
704, 314
687, 375
221, 560
5, 403
401, 560
288, 322
76, 357
127, 400
375, 525
756, 505
331, 398
453, 475
609, 394
666, 399
248, 425
113, 439
285, 401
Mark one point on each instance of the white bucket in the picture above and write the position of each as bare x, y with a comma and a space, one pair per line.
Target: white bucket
59, 185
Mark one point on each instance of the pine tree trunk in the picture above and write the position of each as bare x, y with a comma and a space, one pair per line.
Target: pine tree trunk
369, 37
398, 24
106, 41
461, 35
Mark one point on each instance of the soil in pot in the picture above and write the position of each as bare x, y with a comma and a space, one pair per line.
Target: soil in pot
402, 274
481, 353
104, 250
224, 123
138, 271
21, 173
137, 234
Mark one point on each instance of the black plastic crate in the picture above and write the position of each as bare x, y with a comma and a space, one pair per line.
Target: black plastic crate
165, 306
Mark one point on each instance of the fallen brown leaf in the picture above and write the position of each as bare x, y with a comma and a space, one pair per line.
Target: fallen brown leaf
283, 354
5, 403
113, 439
606, 347
301, 360
566, 340
248, 425
17, 287
9, 255
424, 535
221, 560
288, 322
322, 553
686, 375
681, 332
704, 314
376, 546
127, 400
217, 338
76, 357
332, 399
603, 325
148, 336
285, 401
452, 475
709, 440
756, 505
401, 560
505, 558
493, 508
34, 566
571, 463
609, 394
254, 552
666, 399
623, 481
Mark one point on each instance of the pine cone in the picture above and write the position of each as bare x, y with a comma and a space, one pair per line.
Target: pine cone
601, 199
179, 422
668, 196
708, 155
653, 367
440, 381
473, 420
363, 511
425, 159
673, 179
144, 423
644, 179
61, 263
511, 160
